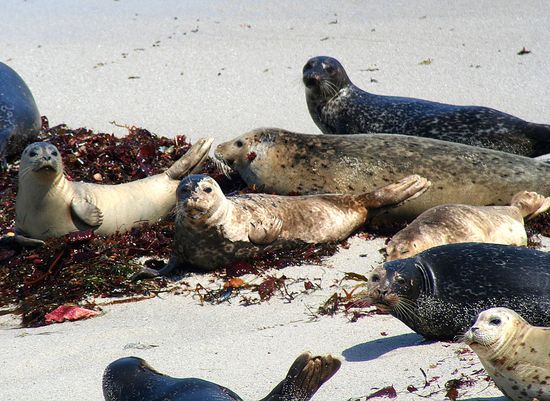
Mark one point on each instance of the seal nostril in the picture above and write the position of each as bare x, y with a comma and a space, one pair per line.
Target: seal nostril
310, 81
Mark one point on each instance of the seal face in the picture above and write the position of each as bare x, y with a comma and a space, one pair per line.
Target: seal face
339, 107
132, 379
49, 205
439, 292
19, 117
213, 230
514, 353
282, 162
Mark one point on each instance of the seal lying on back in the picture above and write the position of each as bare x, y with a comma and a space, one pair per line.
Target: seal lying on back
49, 205
274, 160
339, 107
213, 230
19, 117
132, 379
439, 292
515, 354
449, 224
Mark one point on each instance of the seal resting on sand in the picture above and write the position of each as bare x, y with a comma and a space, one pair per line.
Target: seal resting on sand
449, 224
19, 117
337, 106
132, 379
282, 162
515, 354
439, 292
49, 205
213, 230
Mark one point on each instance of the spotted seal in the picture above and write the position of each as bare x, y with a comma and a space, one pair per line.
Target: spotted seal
448, 224
49, 205
213, 230
278, 161
515, 354
439, 292
337, 106
132, 379
19, 117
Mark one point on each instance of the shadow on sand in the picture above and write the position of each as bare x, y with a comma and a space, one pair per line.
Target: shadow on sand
375, 348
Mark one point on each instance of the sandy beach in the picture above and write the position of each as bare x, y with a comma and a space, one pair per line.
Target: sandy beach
217, 68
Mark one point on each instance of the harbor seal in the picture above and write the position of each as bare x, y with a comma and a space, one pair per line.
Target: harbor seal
213, 230
439, 292
515, 354
19, 117
48, 205
282, 162
449, 224
132, 379
337, 106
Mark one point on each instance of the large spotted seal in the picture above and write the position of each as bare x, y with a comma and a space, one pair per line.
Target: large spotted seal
213, 230
132, 379
19, 117
449, 224
515, 354
283, 162
339, 107
49, 205
439, 292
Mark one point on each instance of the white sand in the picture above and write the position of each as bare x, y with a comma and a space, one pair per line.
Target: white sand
239, 71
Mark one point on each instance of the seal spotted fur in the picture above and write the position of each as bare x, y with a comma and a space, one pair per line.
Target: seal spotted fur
132, 379
515, 354
337, 106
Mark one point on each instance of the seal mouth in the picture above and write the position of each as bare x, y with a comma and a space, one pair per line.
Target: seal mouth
48, 168
311, 81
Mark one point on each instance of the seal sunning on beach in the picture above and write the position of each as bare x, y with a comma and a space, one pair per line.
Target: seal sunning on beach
48, 205
337, 106
439, 292
449, 224
515, 354
132, 379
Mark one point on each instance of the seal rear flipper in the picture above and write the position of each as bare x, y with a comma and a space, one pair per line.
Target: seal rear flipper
406, 189
190, 162
87, 212
147, 272
530, 204
540, 133
261, 233
306, 375
19, 240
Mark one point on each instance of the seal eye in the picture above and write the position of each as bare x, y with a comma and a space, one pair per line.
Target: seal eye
54, 153
328, 68
400, 280
207, 190
375, 278
239, 144
32, 153
495, 321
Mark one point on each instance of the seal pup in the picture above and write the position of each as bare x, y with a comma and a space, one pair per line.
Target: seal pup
48, 205
213, 230
439, 292
337, 106
132, 379
282, 162
515, 354
19, 117
449, 224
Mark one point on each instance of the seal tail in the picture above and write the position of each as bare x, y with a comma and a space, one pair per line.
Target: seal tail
540, 133
395, 194
306, 375
530, 204
190, 162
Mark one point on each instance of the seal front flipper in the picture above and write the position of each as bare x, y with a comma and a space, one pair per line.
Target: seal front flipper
190, 162
265, 233
406, 189
86, 211
306, 375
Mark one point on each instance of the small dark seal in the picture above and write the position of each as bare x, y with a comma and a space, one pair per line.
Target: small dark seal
439, 292
19, 116
132, 379
339, 107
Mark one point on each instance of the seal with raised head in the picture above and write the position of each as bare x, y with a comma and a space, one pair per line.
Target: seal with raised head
450, 224
19, 117
48, 205
337, 106
514, 353
213, 230
439, 292
132, 379
282, 162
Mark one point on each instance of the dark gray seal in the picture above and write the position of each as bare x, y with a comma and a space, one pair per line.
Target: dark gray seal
282, 162
132, 379
339, 107
19, 117
439, 292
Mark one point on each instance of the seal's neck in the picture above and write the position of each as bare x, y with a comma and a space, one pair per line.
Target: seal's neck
41, 183
221, 214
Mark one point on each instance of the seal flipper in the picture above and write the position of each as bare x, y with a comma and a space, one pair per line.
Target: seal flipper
406, 189
86, 211
306, 375
147, 272
540, 133
20, 239
530, 204
261, 233
190, 162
